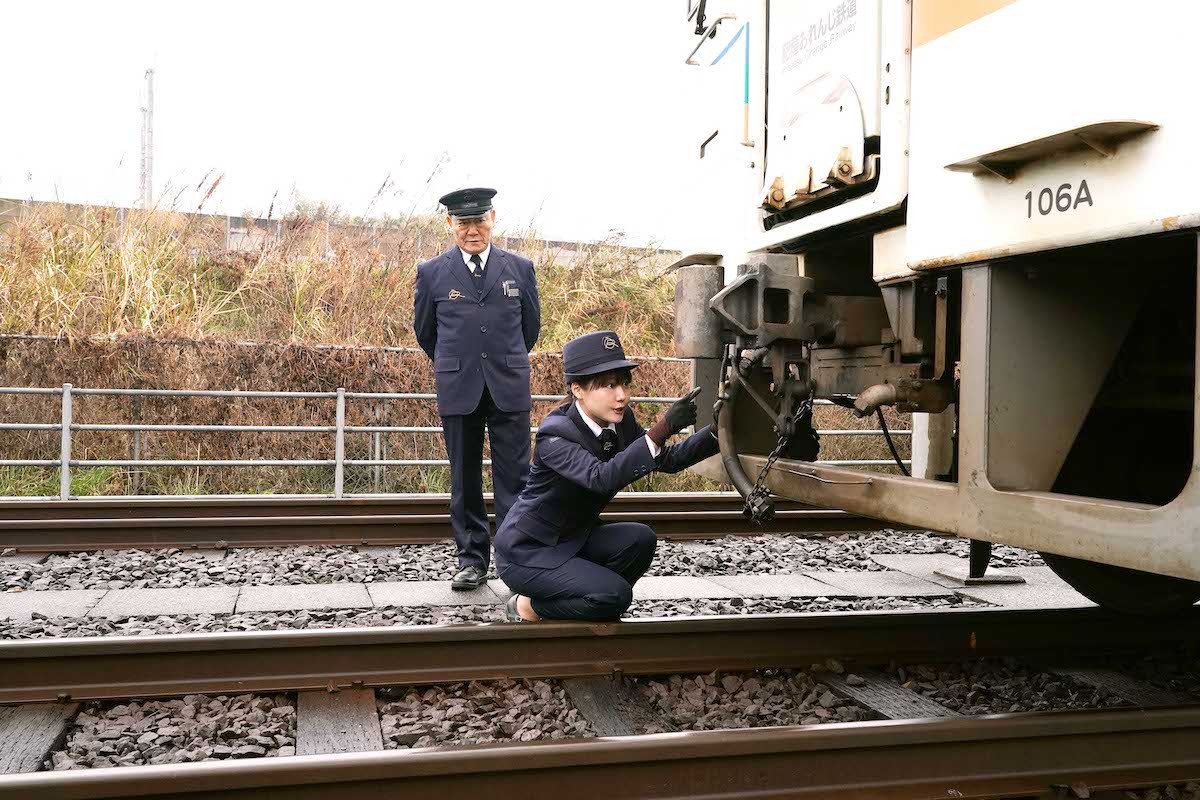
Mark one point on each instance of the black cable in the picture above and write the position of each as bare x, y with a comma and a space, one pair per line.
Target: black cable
891, 445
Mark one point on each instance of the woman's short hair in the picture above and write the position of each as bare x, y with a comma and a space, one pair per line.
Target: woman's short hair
623, 376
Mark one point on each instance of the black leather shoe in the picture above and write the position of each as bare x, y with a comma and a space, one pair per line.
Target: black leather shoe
468, 578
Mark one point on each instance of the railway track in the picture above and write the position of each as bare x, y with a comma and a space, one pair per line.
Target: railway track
1008, 755
125, 523
1060, 755
49, 670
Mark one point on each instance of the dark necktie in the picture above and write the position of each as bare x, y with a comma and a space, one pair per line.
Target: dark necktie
477, 271
608, 444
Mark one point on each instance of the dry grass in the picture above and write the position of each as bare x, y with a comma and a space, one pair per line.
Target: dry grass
79, 272
156, 301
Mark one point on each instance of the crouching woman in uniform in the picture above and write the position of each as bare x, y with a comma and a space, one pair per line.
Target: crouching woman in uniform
551, 550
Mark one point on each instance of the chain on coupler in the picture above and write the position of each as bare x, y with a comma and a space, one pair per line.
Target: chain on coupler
759, 506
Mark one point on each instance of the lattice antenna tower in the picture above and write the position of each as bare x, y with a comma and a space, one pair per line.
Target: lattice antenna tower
147, 178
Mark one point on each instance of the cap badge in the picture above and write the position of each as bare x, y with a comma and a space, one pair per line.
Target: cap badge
610, 343
454, 294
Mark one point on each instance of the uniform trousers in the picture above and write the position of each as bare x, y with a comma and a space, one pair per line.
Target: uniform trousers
596, 583
508, 433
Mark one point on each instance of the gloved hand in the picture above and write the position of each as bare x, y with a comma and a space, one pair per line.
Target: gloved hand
682, 412
678, 416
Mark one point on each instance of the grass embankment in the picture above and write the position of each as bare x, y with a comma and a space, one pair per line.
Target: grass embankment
157, 300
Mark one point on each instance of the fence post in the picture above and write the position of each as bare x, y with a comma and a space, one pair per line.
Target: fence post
137, 443
64, 455
377, 451
339, 444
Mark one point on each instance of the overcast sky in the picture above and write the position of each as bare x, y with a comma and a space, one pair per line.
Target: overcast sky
571, 109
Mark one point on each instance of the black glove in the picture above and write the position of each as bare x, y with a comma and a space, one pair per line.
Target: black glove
681, 414
678, 416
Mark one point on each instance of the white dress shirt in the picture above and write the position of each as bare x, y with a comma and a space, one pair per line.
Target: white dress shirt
483, 257
595, 428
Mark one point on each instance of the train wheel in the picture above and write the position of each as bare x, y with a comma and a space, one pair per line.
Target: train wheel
1126, 590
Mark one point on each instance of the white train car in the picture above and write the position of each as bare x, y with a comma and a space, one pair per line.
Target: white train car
983, 212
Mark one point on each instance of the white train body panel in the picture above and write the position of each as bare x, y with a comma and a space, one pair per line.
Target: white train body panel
1004, 130
1034, 69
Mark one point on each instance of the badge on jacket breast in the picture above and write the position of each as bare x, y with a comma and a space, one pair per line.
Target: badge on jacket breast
455, 294
509, 289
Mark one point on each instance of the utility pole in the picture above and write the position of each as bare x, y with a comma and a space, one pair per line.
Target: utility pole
147, 182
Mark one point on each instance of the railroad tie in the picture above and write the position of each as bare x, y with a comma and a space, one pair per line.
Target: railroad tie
345, 721
881, 693
601, 701
29, 733
1135, 691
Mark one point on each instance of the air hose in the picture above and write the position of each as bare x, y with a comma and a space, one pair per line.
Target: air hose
729, 456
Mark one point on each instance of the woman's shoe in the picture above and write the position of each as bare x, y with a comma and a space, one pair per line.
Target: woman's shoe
510, 610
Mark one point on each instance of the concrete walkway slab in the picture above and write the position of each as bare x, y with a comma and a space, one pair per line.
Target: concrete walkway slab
157, 602
878, 584
926, 565
21, 606
310, 597
773, 585
679, 588
428, 593
500, 589
1042, 589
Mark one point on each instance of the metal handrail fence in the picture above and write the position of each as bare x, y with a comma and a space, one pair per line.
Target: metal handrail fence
66, 426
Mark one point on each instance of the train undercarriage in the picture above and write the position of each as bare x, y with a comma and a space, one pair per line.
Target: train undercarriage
1062, 382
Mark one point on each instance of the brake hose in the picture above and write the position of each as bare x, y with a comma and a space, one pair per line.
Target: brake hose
891, 445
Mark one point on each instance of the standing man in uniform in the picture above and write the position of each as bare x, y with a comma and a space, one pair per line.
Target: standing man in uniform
476, 314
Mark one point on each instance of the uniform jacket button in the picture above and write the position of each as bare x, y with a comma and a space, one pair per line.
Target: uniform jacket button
484, 355
481, 304
483, 328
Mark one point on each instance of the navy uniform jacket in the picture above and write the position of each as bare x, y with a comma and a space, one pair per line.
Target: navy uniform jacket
569, 485
478, 339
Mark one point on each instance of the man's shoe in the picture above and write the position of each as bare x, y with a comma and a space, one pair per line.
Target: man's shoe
468, 578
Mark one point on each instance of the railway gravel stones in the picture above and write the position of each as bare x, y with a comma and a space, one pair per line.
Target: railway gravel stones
194, 728
43, 627
731, 555
48, 627
773, 554
174, 568
791, 605
478, 712
991, 686
745, 700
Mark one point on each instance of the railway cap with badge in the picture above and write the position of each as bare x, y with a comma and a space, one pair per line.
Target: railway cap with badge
593, 354
468, 203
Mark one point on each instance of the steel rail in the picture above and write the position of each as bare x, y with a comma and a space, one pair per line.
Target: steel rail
54, 526
1005, 755
266, 661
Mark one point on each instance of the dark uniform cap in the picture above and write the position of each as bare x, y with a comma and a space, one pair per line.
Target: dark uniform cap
593, 354
468, 203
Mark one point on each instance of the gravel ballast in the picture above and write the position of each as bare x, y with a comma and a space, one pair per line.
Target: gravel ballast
781, 555
477, 713
999, 686
731, 555
195, 728
173, 568
745, 700
42, 627
791, 605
